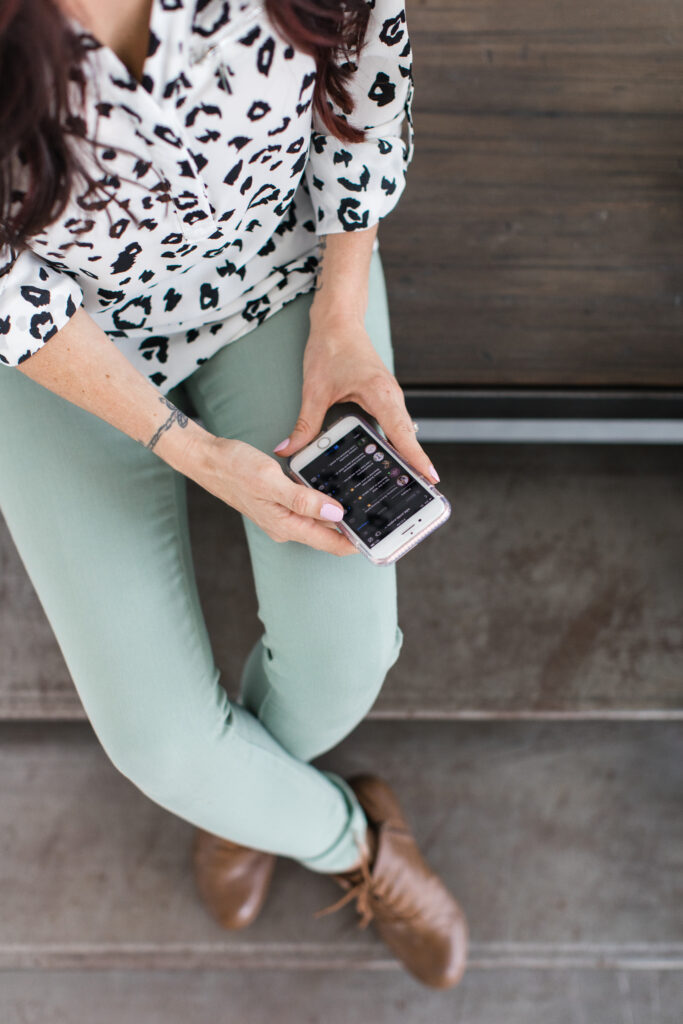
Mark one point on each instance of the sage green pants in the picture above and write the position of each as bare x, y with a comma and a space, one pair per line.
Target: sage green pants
101, 526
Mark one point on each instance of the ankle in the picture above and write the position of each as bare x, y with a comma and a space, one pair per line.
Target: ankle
368, 850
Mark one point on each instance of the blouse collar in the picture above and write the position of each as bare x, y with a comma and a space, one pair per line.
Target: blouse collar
149, 105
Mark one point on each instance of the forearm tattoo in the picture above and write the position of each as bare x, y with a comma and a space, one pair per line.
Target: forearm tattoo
176, 417
321, 251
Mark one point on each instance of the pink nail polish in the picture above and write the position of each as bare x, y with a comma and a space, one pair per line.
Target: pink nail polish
282, 444
434, 473
332, 512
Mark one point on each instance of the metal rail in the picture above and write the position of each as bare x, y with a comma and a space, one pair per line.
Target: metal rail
519, 415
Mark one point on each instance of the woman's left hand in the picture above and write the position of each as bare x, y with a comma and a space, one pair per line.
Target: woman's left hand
341, 365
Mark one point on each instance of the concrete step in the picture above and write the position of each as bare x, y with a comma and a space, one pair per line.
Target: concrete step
565, 847
337, 997
554, 591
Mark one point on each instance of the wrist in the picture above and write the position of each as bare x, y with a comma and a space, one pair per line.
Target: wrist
342, 278
342, 313
189, 451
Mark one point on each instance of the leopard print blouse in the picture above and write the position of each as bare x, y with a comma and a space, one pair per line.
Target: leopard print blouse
219, 181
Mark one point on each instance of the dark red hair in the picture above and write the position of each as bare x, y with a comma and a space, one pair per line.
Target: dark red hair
327, 30
40, 58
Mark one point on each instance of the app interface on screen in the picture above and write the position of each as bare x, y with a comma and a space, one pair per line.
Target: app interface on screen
374, 489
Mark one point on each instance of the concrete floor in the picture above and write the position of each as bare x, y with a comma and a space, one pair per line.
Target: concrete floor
348, 997
564, 844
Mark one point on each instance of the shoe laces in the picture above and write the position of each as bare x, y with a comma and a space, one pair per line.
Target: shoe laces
360, 890
364, 892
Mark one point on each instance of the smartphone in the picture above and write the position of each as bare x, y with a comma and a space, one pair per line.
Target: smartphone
389, 506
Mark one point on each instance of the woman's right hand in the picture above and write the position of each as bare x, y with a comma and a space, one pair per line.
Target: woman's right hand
255, 484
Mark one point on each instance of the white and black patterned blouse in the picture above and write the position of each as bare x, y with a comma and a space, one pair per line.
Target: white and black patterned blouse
217, 157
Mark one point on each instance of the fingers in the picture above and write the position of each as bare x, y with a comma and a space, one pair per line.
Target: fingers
315, 534
306, 501
305, 515
384, 399
309, 423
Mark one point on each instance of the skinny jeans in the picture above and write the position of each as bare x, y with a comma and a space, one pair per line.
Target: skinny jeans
101, 526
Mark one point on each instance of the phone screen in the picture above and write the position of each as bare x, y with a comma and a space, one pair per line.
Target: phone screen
376, 492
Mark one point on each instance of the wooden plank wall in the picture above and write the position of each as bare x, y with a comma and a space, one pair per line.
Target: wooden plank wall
539, 240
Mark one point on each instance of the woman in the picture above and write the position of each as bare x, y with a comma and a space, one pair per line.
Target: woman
179, 176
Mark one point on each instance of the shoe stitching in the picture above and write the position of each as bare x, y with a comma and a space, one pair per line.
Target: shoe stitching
364, 891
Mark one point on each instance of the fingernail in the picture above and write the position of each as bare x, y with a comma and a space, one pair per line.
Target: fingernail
434, 473
332, 512
282, 444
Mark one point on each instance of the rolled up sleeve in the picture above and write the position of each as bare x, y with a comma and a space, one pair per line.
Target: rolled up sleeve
354, 185
36, 301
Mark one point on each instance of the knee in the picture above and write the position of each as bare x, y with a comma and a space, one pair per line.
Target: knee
162, 753
154, 766
147, 758
358, 669
334, 693
346, 667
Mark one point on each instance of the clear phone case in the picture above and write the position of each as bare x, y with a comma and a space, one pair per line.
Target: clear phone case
404, 548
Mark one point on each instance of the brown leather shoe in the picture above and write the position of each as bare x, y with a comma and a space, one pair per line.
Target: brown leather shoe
413, 911
232, 880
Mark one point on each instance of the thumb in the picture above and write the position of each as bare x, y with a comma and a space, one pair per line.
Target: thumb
308, 424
